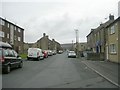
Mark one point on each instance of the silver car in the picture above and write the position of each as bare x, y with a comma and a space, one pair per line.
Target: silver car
72, 54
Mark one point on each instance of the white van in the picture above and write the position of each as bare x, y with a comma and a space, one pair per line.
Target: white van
35, 53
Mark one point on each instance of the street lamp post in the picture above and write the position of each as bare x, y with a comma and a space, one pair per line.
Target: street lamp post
77, 43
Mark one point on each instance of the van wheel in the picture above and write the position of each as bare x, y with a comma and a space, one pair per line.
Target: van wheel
7, 69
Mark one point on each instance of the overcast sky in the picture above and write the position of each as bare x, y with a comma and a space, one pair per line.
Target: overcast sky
58, 18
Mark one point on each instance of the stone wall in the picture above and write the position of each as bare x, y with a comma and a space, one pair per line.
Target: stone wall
95, 56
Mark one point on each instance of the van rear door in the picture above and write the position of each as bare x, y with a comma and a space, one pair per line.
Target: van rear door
32, 52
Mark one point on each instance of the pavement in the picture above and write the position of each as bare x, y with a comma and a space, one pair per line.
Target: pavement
106, 69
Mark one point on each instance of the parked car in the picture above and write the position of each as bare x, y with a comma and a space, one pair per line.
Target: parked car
54, 52
9, 58
35, 53
72, 54
50, 53
60, 52
45, 53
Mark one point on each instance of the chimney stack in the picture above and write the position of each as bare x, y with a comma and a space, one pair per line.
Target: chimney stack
44, 34
111, 17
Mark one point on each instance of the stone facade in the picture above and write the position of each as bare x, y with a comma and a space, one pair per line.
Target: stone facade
113, 41
12, 34
96, 39
44, 43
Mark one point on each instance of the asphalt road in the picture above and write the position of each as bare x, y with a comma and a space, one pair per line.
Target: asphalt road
57, 71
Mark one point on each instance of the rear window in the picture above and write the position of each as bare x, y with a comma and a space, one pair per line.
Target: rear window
0, 52
8, 53
32, 49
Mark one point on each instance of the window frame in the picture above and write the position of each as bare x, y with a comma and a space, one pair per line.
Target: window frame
19, 38
8, 35
2, 34
2, 22
112, 29
112, 48
8, 25
19, 30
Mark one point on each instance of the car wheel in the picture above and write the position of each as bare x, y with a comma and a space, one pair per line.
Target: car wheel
38, 58
7, 69
21, 65
27, 58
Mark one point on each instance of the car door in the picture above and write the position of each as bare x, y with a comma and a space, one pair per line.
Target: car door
17, 58
12, 58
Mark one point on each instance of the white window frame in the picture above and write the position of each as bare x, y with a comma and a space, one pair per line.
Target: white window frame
15, 27
8, 25
112, 29
112, 48
2, 22
8, 36
19, 30
19, 39
2, 34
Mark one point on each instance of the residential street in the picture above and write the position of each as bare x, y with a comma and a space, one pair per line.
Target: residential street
56, 71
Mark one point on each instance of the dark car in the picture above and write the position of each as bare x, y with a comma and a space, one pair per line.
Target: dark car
9, 58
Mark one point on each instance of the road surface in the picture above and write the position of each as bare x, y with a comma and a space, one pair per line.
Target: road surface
56, 71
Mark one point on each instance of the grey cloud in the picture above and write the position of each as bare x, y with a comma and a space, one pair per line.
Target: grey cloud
58, 20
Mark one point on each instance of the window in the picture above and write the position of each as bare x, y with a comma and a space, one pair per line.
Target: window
2, 22
15, 27
112, 48
112, 30
8, 25
6, 52
2, 34
11, 53
11, 27
8, 35
18, 29
18, 38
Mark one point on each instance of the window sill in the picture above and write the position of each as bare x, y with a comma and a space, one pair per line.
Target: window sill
113, 53
112, 33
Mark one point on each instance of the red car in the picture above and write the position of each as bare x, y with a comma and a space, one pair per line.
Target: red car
45, 54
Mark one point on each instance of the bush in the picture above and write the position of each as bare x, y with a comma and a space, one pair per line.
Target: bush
23, 56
